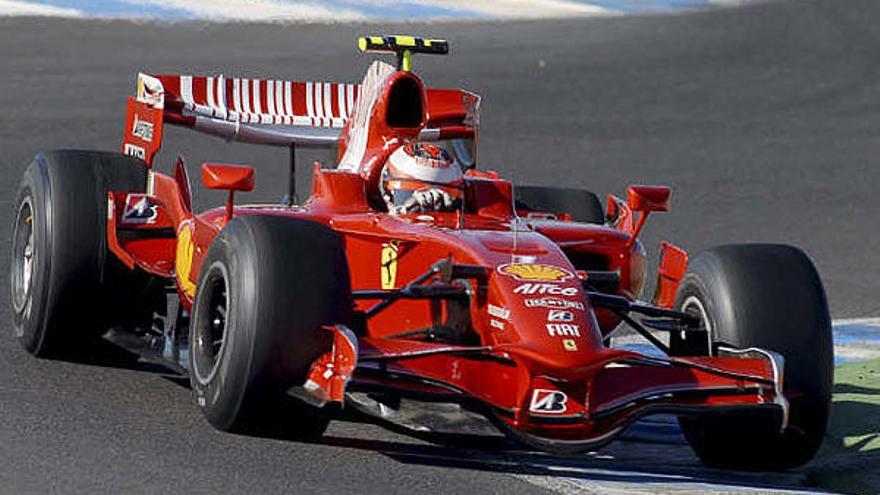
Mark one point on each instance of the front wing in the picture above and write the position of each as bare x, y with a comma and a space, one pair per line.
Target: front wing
569, 408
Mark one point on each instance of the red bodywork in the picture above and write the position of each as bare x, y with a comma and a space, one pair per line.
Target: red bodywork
535, 362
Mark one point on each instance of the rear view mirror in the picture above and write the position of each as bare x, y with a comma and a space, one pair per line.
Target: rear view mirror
229, 177
648, 198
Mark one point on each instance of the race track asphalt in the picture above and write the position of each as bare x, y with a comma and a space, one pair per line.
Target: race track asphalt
765, 119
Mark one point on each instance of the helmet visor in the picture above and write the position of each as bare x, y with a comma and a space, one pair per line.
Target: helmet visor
401, 190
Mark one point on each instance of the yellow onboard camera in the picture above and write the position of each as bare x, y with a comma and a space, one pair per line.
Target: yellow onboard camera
403, 46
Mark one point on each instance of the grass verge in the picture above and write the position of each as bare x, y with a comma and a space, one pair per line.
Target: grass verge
850, 460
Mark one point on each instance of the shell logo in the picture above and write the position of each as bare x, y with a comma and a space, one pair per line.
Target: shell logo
533, 272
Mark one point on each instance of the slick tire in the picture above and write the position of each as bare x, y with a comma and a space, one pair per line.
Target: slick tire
66, 287
771, 297
583, 206
266, 287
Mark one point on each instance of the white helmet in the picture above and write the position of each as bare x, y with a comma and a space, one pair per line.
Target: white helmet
417, 167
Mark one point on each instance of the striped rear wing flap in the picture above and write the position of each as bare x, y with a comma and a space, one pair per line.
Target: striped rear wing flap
276, 112
261, 101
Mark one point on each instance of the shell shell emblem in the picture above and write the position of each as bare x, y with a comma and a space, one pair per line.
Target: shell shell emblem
534, 272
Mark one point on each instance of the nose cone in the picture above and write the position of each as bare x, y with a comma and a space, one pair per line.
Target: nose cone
549, 320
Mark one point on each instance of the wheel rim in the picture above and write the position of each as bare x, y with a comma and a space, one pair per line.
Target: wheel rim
210, 325
23, 253
693, 305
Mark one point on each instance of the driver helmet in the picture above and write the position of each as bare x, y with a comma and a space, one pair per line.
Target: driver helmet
417, 166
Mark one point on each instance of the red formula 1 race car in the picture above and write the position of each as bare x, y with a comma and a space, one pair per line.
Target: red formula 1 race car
409, 275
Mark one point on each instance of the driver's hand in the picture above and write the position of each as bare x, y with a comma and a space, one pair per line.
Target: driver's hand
429, 200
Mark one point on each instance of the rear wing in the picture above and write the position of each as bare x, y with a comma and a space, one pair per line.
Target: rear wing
267, 111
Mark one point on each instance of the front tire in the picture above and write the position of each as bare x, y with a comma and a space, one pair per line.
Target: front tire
771, 297
267, 287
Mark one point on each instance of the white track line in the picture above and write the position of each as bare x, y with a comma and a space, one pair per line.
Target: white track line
523, 9
311, 11
856, 321
258, 10
18, 8
580, 486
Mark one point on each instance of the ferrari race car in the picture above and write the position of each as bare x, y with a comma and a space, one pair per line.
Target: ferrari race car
502, 308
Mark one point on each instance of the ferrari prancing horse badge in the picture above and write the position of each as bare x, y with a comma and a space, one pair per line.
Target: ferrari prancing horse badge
389, 266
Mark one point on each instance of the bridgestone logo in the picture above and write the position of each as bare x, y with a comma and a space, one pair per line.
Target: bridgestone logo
560, 315
545, 289
139, 209
548, 401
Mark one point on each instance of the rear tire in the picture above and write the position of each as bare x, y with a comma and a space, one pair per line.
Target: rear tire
583, 206
267, 286
767, 296
66, 287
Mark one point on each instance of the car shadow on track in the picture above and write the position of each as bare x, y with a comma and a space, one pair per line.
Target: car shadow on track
627, 462
652, 452
850, 459
108, 355
642, 456
859, 432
